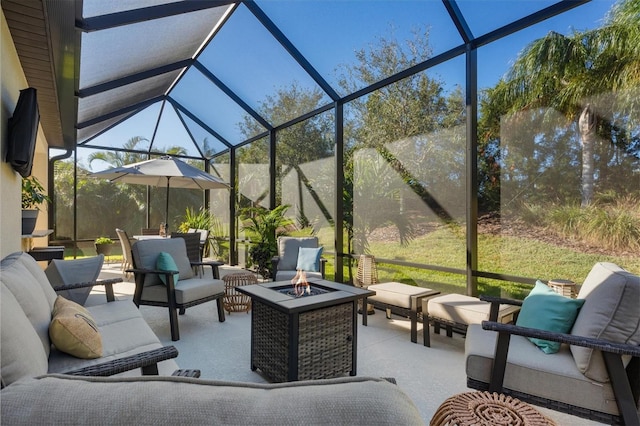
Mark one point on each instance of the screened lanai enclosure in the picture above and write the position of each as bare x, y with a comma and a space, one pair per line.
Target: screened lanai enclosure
470, 146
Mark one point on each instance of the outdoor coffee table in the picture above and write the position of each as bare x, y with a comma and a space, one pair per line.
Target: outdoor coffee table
308, 337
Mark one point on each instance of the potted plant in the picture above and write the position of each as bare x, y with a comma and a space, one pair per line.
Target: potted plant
103, 245
32, 196
264, 227
204, 220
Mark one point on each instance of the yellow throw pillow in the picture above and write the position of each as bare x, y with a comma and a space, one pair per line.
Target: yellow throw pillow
74, 331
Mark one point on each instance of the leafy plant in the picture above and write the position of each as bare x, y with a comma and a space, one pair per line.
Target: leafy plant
204, 219
104, 240
264, 227
32, 193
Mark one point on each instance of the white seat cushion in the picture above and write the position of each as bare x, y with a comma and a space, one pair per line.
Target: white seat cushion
533, 372
462, 309
398, 294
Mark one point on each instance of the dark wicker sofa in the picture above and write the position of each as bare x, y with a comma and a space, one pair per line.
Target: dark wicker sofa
595, 374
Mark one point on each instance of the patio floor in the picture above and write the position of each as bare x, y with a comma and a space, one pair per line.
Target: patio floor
221, 350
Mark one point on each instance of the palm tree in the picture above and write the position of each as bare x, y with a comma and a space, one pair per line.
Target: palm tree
567, 73
265, 226
118, 158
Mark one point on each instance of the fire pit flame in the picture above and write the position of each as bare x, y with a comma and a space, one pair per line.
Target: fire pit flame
300, 284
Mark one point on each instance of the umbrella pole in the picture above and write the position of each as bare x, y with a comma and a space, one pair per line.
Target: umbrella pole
166, 213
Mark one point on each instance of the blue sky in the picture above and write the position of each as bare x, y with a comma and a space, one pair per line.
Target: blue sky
328, 33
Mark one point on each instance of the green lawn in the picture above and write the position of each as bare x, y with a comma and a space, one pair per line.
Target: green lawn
443, 247
499, 254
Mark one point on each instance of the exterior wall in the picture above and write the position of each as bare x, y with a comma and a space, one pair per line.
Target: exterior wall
12, 80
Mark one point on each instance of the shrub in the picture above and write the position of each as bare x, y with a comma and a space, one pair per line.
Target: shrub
104, 240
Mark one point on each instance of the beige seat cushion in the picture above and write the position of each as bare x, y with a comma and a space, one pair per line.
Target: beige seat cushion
398, 294
186, 290
112, 318
462, 309
611, 311
529, 370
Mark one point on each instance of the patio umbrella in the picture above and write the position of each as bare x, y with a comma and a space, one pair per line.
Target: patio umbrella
164, 171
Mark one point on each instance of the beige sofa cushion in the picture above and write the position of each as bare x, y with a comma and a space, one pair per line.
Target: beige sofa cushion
74, 331
21, 351
31, 291
112, 318
161, 400
533, 372
37, 272
611, 311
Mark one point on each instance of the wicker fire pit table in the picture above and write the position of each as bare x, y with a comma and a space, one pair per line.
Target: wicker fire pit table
306, 336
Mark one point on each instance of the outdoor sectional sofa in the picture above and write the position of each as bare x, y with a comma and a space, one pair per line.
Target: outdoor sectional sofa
27, 302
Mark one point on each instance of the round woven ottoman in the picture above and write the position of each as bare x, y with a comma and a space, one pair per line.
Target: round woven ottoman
488, 409
233, 300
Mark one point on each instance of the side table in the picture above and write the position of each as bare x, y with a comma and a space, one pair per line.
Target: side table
233, 300
487, 409
563, 287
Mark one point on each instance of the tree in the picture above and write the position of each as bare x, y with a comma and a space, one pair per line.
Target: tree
572, 75
408, 124
121, 158
297, 145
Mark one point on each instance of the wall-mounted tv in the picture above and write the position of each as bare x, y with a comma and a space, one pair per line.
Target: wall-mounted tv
23, 131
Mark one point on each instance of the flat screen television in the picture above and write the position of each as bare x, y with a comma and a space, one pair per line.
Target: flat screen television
22, 132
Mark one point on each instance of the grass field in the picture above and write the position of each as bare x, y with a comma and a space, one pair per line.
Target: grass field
508, 255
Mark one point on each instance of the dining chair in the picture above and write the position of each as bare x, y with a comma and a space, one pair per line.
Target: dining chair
125, 243
204, 238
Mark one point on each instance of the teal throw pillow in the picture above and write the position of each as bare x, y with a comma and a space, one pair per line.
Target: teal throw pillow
165, 262
545, 309
309, 259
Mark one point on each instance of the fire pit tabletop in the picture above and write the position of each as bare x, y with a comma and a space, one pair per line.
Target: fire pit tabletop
270, 294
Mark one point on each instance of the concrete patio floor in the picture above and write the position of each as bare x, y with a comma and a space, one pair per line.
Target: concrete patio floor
222, 350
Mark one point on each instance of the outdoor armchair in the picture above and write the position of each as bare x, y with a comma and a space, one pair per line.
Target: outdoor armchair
173, 286
298, 253
596, 372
